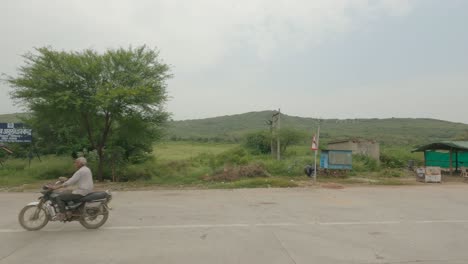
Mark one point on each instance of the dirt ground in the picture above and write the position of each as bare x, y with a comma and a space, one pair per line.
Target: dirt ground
327, 183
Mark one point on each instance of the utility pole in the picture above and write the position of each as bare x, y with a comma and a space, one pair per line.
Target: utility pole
315, 148
276, 132
316, 151
269, 123
278, 144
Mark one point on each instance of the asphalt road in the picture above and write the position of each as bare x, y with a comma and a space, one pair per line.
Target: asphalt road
411, 224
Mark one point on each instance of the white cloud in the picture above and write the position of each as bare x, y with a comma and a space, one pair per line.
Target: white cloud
202, 32
192, 35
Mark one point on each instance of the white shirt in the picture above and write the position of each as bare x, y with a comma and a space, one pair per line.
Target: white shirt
83, 178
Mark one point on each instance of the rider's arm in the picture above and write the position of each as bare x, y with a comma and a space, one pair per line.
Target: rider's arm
58, 187
72, 180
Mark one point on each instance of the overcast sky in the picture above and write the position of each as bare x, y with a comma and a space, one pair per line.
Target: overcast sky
311, 58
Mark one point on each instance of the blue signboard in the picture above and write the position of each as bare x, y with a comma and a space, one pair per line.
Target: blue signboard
15, 133
336, 159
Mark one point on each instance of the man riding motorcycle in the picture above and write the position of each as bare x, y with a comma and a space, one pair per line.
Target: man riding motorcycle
82, 178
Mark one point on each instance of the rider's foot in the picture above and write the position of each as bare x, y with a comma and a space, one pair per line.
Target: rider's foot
60, 217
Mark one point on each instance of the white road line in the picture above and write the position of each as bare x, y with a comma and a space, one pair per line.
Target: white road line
440, 221
195, 226
278, 224
360, 223
173, 226
22, 230
11, 230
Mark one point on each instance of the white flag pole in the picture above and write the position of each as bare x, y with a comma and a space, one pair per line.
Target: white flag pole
316, 151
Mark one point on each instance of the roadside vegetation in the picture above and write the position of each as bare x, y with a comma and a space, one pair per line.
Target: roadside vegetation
217, 165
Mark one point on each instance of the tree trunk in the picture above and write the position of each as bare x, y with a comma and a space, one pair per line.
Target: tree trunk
113, 169
102, 143
100, 164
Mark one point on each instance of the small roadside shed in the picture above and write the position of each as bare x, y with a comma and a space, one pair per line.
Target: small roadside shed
445, 154
369, 148
336, 159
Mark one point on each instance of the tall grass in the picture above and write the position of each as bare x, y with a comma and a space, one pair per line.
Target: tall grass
398, 157
182, 163
169, 151
18, 171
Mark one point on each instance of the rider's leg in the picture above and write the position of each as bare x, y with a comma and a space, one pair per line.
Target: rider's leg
65, 197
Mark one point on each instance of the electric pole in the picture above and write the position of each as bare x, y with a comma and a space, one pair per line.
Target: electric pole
276, 120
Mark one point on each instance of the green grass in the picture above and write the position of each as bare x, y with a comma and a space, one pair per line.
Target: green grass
17, 171
301, 150
185, 164
172, 151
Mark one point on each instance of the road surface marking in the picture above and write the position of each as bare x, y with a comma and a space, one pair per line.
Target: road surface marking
244, 225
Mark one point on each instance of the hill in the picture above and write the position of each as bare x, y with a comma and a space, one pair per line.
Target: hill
12, 118
391, 131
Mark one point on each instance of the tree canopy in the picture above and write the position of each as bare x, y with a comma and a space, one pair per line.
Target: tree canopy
263, 142
100, 100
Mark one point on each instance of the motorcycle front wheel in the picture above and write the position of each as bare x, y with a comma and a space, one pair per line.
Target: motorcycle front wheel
33, 218
94, 221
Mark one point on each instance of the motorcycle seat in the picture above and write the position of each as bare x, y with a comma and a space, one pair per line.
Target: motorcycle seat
94, 196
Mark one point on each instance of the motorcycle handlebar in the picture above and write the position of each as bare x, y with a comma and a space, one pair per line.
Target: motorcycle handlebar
62, 179
50, 185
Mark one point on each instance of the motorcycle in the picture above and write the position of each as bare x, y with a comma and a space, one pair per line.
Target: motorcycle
92, 211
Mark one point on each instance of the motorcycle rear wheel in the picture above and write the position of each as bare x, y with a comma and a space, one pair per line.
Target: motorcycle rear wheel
90, 222
33, 218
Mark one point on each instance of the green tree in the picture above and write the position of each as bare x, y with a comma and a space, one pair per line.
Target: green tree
258, 142
290, 137
104, 99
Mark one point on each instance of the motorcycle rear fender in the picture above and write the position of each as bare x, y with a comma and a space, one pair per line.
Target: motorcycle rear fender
33, 203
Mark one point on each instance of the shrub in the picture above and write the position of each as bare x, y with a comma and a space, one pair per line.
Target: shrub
238, 172
258, 142
179, 172
392, 173
134, 172
233, 157
363, 163
289, 167
398, 158
389, 161
236, 156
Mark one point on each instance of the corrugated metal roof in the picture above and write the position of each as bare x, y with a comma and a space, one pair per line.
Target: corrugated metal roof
339, 141
351, 140
444, 145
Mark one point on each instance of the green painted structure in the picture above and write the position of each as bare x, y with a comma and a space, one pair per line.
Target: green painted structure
445, 154
442, 159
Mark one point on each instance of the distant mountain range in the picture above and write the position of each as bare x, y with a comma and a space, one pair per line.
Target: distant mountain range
396, 131
11, 118
390, 131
